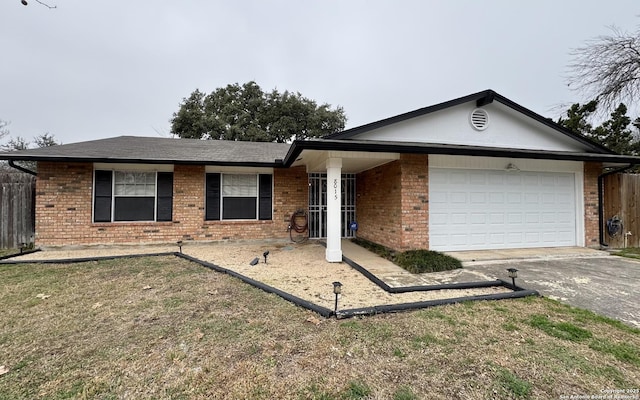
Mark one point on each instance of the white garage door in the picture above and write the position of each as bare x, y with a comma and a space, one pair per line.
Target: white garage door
489, 209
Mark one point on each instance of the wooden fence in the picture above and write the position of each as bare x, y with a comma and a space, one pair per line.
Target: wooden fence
622, 200
17, 209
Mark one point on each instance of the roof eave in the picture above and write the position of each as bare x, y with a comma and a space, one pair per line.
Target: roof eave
396, 147
18, 157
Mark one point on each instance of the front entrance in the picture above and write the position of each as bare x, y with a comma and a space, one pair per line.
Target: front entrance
318, 205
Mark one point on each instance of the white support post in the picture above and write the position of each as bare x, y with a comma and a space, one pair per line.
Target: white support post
334, 217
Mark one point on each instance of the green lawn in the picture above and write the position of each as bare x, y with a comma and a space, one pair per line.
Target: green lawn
629, 252
168, 328
6, 252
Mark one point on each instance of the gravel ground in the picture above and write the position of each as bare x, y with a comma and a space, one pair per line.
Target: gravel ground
299, 269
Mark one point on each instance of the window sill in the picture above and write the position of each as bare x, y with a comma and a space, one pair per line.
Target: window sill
131, 223
238, 222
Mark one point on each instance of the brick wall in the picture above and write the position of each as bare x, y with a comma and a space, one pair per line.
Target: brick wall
415, 201
64, 209
392, 203
378, 205
591, 228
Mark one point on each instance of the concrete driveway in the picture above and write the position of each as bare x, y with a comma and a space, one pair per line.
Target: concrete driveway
605, 284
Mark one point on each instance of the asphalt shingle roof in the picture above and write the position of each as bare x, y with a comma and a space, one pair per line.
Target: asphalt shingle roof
159, 150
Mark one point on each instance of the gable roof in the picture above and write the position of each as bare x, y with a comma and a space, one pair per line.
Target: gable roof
481, 98
150, 150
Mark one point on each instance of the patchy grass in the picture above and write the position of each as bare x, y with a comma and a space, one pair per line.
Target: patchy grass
512, 386
629, 252
166, 328
414, 261
8, 252
561, 330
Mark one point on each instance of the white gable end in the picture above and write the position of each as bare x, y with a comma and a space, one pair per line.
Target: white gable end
506, 128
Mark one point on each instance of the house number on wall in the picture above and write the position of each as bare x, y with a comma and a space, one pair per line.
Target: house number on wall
335, 189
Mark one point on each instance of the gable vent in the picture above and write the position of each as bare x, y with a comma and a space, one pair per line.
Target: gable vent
479, 119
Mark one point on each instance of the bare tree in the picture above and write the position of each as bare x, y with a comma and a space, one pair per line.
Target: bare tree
24, 3
607, 69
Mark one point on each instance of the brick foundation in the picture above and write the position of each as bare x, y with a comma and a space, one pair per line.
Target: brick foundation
64, 209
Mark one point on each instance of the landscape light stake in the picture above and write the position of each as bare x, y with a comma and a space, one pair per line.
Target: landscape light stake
179, 243
22, 247
337, 289
513, 274
265, 254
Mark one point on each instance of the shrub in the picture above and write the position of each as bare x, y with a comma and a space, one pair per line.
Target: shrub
416, 261
420, 261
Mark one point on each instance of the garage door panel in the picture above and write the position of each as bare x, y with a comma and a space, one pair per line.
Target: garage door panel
496, 238
531, 180
496, 198
458, 198
438, 218
458, 177
496, 219
514, 198
459, 219
478, 198
513, 179
515, 237
439, 197
514, 218
531, 198
532, 218
490, 209
476, 239
459, 239
493, 179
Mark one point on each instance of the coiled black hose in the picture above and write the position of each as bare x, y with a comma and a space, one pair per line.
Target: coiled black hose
299, 223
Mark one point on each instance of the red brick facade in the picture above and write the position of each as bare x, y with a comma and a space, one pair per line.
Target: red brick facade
392, 204
591, 229
392, 207
375, 187
64, 209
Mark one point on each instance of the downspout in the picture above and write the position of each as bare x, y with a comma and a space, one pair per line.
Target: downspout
22, 169
601, 197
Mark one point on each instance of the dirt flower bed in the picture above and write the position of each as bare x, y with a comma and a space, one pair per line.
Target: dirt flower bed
299, 269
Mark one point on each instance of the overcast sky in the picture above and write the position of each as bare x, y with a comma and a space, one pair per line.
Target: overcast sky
91, 69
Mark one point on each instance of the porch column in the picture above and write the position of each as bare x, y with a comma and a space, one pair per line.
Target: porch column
334, 201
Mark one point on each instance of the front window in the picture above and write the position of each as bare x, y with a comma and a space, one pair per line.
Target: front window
232, 196
239, 196
132, 196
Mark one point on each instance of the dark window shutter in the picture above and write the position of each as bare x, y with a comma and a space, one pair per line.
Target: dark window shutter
165, 196
102, 196
265, 195
212, 195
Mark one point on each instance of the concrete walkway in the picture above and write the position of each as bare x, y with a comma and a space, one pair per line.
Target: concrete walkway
540, 253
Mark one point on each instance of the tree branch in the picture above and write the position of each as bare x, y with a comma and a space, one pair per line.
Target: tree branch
24, 2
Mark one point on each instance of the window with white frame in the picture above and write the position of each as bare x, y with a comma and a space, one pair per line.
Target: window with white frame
231, 196
132, 196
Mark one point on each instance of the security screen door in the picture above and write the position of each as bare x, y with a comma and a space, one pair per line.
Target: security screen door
318, 205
